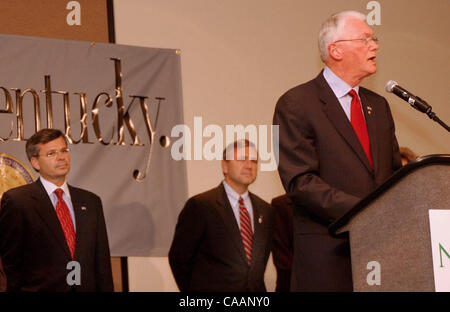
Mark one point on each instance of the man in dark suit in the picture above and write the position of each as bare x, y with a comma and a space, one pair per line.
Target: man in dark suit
223, 236
52, 235
333, 150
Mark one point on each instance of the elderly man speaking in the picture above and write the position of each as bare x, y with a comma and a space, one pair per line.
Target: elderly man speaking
337, 144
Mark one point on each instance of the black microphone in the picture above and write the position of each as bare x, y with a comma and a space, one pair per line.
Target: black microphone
415, 101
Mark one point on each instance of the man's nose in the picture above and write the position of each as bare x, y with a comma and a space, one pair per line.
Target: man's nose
374, 45
61, 155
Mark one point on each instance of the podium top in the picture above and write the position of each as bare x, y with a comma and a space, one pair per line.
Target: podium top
429, 160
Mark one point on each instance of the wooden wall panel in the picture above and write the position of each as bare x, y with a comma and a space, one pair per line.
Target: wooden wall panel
48, 18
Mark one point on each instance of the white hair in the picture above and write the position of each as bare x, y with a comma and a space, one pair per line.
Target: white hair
332, 28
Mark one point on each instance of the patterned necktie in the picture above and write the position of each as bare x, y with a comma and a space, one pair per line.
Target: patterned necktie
66, 221
246, 230
359, 125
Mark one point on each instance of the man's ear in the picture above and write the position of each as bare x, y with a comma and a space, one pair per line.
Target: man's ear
334, 52
35, 163
224, 167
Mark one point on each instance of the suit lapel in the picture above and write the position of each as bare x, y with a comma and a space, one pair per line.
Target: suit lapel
45, 209
258, 233
371, 127
226, 212
80, 221
339, 119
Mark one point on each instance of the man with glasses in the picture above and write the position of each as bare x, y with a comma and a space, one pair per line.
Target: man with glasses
53, 235
337, 144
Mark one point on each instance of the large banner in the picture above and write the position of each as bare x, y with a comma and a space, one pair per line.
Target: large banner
117, 105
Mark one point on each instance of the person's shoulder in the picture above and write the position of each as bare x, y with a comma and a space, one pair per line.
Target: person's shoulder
20, 197
20, 191
206, 196
300, 97
371, 94
199, 204
301, 89
259, 201
76, 191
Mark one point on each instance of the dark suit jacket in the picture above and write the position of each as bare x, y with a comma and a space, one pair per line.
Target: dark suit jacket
207, 252
324, 169
2, 278
283, 241
33, 248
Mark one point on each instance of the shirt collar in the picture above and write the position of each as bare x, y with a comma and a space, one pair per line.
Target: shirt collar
340, 87
232, 194
50, 187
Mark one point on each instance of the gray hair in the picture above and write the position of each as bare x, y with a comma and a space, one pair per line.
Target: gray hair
332, 28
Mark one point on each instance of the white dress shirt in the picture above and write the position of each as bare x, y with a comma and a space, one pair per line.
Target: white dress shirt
233, 197
341, 89
50, 189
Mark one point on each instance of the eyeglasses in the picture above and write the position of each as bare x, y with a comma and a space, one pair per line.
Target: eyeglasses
55, 153
366, 41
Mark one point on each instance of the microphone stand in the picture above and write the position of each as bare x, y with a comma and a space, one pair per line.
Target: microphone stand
427, 109
436, 118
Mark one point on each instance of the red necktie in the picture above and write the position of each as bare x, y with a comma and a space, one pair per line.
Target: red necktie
66, 221
246, 230
359, 125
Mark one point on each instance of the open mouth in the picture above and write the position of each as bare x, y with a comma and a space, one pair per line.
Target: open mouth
372, 58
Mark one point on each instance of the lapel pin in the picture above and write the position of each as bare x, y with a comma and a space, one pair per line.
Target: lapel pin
83, 208
260, 219
369, 110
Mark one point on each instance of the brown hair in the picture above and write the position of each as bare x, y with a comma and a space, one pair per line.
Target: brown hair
41, 137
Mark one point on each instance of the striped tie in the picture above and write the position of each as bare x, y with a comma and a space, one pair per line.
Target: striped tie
246, 230
65, 219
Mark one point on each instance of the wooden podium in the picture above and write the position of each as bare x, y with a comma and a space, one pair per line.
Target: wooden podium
391, 226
